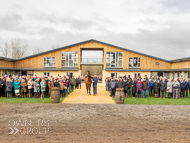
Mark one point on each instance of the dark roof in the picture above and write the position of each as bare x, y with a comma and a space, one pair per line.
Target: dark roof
92, 40
180, 60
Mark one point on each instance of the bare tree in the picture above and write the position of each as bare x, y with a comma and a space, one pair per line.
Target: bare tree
5, 50
18, 48
37, 50
54, 46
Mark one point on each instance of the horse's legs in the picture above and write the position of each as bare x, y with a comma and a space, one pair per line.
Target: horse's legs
89, 90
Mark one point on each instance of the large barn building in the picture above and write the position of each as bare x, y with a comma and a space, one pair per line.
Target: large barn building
114, 61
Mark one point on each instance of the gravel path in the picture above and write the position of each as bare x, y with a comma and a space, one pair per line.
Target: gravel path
96, 123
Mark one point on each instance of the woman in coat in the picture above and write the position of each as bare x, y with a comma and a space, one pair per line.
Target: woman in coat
134, 86
9, 86
186, 87
169, 88
156, 87
43, 88
65, 83
127, 85
36, 88
17, 88
61, 88
139, 88
30, 84
23, 88
50, 85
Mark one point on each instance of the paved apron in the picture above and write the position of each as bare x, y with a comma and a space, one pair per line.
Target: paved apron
79, 96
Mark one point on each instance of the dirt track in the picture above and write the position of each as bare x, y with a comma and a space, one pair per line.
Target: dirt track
98, 123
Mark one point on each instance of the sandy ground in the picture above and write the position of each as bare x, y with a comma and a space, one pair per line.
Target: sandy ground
80, 96
95, 123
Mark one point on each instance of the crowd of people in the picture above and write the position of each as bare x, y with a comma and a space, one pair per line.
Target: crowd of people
36, 86
149, 87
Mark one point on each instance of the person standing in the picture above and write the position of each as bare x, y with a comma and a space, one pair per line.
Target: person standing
30, 84
95, 81
182, 86
169, 88
68, 84
23, 88
186, 87
156, 87
61, 88
163, 87
17, 88
106, 82
65, 83
73, 83
127, 85
47, 87
176, 86
120, 83
36, 88
159, 82
1, 86
139, 87
43, 88
56, 83
80, 81
150, 87
77, 83
145, 86
129, 77
9, 85
113, 85
134, 87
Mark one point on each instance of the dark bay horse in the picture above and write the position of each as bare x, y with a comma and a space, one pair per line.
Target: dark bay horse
88, 82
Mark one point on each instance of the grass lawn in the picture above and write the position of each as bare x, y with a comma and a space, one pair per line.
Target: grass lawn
27, 100
157, 101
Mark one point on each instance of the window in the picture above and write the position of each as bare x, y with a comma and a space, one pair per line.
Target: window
112, 74
137, 75
114, 59
49, 61
134, 62
47, 73
69, 59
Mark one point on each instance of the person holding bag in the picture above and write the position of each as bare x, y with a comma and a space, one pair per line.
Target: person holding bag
23, 88
43, 88
30, 83
17, 88
9, 86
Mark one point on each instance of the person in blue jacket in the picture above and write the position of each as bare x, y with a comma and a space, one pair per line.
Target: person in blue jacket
94, 81
17, 87
187, 85
150, 87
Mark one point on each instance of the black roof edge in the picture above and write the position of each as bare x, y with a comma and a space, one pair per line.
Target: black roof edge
170, 61
180, 60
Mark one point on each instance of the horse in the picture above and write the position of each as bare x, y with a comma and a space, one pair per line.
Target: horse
88, 82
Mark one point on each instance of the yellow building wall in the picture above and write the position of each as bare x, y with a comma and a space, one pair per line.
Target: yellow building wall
146, 62
55, 73
181, 65
6, 64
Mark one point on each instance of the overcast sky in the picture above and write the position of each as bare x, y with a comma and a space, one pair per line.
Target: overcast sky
156, 27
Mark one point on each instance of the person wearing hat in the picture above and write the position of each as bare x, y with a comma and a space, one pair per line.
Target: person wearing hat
56, 83
17, 88
23, 88
134, 87
47, 88
130, 79
61, 88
